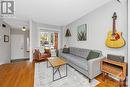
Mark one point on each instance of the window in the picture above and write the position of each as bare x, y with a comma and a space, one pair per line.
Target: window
47, 39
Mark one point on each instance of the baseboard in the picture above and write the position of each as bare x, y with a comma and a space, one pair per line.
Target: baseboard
4, 62
1, 63
17, 60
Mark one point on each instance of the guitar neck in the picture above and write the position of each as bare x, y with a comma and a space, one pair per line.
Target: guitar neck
114, 26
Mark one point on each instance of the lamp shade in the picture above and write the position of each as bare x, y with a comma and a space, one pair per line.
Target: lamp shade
68, 34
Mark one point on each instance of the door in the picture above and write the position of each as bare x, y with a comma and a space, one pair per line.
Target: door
17, 46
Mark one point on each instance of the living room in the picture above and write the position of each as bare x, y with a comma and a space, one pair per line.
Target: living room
70, 44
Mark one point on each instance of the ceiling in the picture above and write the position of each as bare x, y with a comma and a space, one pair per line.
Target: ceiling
17, 23
55, 12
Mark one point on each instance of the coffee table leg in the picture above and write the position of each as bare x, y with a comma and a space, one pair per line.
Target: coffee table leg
47, 64
57, 69
66, 69
53, 73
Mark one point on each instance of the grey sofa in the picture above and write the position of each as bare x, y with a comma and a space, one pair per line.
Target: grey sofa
77, 59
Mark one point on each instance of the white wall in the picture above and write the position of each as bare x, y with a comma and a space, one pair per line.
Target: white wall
99, 22
34, 34
33, 37
5, 51
129, 42
41, 25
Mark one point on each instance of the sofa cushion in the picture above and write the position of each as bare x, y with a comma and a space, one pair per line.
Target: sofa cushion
65, 55
66, 50
78, 61
93, 55
79, 52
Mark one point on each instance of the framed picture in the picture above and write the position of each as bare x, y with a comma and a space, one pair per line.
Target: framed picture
82, 32
6, 38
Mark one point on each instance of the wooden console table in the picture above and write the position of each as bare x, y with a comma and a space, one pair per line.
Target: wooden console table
117, 69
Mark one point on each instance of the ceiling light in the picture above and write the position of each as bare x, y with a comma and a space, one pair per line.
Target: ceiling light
23, 29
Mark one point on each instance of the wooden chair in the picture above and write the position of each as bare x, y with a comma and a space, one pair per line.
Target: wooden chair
37, 56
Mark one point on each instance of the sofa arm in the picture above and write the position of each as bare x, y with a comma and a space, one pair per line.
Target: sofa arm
60, 52
94, 67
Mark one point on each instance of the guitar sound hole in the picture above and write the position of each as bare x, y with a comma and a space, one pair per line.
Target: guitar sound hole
115, 37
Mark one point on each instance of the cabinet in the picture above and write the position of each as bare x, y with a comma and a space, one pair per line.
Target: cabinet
118, 69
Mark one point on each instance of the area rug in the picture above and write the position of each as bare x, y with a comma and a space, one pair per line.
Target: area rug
43, 77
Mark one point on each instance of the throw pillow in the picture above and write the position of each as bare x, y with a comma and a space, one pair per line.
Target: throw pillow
92, 55
66, 50
47, 50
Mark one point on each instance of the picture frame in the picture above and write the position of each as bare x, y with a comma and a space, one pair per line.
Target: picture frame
6, 38
82, 32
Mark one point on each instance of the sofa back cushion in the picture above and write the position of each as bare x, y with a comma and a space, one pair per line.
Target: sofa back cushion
79, 52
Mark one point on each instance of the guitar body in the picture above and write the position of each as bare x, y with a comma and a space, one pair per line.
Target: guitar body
115, 41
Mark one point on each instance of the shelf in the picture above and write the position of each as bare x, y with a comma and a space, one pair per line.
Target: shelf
113, 70
114, 62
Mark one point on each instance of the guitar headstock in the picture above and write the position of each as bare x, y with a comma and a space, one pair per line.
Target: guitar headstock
114, 16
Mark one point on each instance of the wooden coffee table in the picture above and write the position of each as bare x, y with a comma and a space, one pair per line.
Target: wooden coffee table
56, 63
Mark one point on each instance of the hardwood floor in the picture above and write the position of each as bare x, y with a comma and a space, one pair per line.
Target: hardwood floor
109, 82
21, 74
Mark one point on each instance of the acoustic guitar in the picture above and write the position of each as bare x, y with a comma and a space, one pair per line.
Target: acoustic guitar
114, 38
